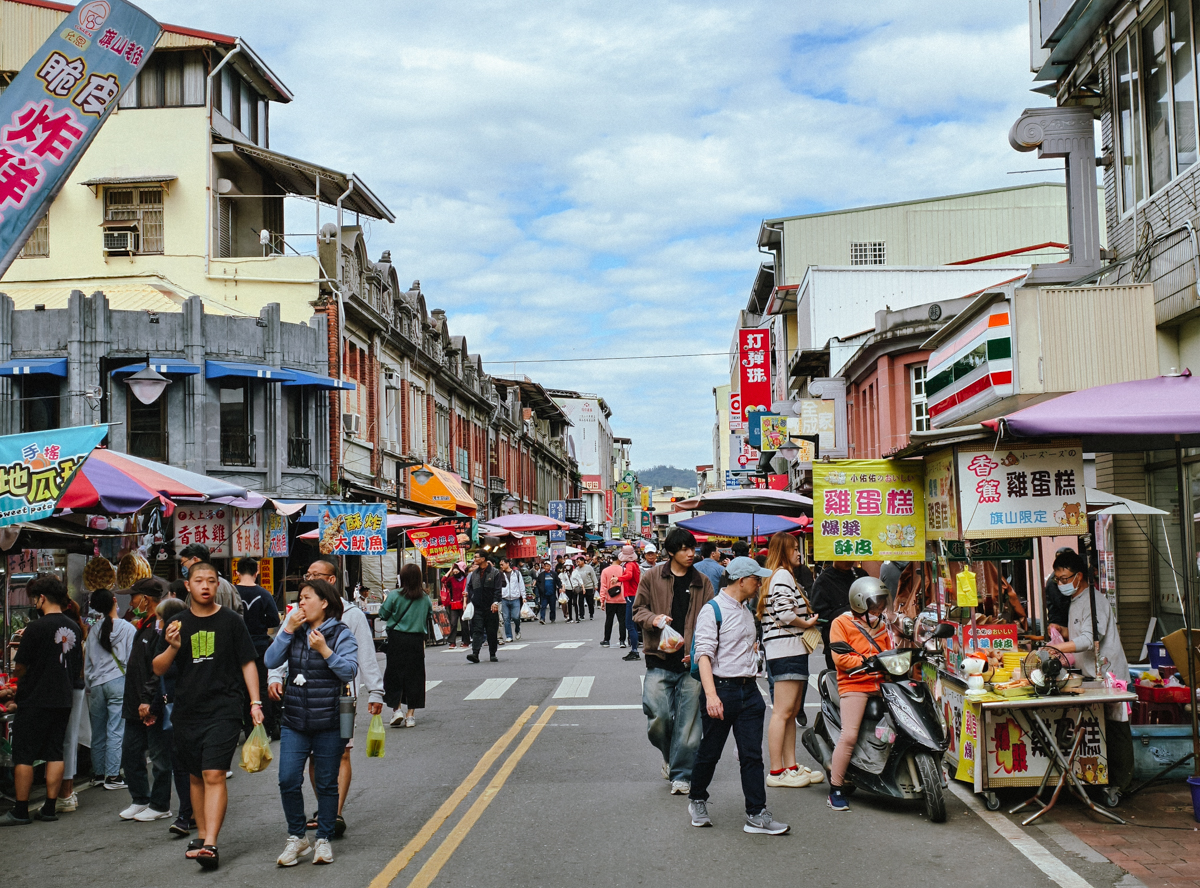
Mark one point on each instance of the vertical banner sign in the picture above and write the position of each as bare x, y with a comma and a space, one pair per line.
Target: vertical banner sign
35, 469
353, 529
941, 503
869, 510
247, 533
557, 509
1024, 490
277, 535
266, 574
754, 370
608, 505
737, 417
53, 109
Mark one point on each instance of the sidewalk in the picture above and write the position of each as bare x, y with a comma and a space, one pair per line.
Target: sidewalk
1160, 843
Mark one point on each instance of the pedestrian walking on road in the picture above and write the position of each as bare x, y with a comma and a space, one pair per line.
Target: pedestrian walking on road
579, 577
709, 564
727, 653
407, 612
227, 596
630, 578
48, 663
567, 585
322, 657
454, 585
105, 659
261, 615
512, 600
672, 594
548, 587
612, 599
215, 657
591, 580
484, 592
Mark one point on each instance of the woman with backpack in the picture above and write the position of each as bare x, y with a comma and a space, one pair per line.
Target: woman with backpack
407, 612
106, 655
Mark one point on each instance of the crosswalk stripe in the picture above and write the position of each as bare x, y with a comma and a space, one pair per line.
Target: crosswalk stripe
430, 685
515, 647
575, 686
570, 644
491, 689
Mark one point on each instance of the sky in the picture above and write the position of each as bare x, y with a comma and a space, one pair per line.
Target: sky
587, 179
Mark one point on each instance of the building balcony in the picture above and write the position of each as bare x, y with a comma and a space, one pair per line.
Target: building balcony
237, 449
298, 453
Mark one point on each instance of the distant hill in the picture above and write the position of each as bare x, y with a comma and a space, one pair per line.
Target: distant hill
662, 476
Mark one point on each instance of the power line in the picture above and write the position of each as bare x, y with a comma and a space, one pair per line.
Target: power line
614, 358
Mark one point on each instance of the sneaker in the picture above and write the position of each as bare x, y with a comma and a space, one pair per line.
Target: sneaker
452, 646
132, 811
398, 720
518, 636
114, 783
605, 644
781, 779
666, 770
796, 777
503, 640
623, 644
543, 622
67, 805
494, 658
680, 787
41, 815
472, 658
182, 826
8, 818
323, 852
149, 814
699, 812
411, 721
814, 777
764, 824
296, 847
507, 641
632, 655
98, 780
837, 800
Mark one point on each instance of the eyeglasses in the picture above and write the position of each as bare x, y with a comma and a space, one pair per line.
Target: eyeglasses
1067, 578
316, 576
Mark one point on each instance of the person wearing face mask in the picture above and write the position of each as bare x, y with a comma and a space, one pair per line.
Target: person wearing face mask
1083, 630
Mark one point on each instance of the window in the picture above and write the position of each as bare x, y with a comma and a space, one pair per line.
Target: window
38, 245
148, 429
1129, 119
299, 441
141, 205
237, 444
169, 80
40, 400
868, 253
920, 405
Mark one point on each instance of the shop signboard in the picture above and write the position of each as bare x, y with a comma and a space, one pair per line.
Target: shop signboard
755, 420
941, 505
558, 536
973, 370
557, 509
1023, 490
575, 512
247, 532
353, 529
777, 482
737, 419
1002, 549
37, 467
207, 525
439, 545
1014, 756
743, 457
53, 109
818, 416
277, 535
754, 370
608, 505
869, 510
624, 488
997, 637
523, 547
266, 574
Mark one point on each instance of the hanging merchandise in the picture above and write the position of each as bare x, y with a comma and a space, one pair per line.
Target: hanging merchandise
968, 592
98, 574
133, 567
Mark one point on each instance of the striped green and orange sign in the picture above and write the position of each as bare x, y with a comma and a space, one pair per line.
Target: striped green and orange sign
973, 370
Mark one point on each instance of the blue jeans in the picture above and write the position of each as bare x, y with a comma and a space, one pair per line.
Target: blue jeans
326, 749
548, 601
108, 726
743, 710
634, 635
510, 609
671, 701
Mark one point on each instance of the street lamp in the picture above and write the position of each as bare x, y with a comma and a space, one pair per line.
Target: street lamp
147, 385
422, 476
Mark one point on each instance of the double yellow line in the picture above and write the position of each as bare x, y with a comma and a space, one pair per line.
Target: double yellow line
450, 844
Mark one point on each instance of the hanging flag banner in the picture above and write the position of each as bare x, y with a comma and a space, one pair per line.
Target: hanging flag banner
247, 533
353, 529
439, 545
869, 510
277, 535
35, 469
1022, 490
53, 109
608, 505
754, 371
207, 525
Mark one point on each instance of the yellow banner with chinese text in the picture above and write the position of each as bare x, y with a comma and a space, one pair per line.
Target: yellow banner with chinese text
869, 510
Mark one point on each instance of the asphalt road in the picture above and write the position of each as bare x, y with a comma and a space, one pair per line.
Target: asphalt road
506, 790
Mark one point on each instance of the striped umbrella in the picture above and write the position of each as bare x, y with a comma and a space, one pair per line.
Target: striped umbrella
118, 483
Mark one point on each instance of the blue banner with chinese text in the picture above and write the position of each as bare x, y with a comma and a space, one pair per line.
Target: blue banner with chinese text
353, 529
35, 469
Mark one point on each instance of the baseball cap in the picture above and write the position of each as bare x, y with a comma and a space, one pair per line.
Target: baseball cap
650, 547
742, 567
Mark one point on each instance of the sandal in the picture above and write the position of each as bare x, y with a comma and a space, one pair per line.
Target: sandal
312, 823
208, 858
193, 847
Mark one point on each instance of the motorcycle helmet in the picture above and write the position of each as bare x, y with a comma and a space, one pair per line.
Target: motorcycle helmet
866, 593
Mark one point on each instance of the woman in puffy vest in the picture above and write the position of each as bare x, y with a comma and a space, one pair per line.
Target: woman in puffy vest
322, 657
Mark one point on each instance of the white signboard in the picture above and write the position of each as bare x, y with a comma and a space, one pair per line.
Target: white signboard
1022, 491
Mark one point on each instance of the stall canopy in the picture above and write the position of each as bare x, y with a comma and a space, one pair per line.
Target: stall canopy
436, 487
524, 523
34, 366
734, 524
119, 483
761, 502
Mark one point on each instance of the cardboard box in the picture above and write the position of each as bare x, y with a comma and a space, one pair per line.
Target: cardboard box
1176, 645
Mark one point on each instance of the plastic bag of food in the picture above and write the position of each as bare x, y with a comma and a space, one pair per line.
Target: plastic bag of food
256, 751
670, 641
526, 612
375, 738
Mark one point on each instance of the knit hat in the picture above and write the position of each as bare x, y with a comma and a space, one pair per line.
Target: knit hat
627, 554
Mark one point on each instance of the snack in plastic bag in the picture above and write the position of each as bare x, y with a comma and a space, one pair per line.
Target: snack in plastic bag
256, 751
670, 641
375, 738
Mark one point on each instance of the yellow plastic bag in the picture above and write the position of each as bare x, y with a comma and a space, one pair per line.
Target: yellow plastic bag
967, 591
256, 752
375, 738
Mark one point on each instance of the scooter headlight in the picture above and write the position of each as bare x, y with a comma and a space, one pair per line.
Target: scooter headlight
898, 663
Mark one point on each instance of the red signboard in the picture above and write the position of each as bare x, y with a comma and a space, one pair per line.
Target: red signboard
439, 545
522, 547
777, 482
754, 370
608, 505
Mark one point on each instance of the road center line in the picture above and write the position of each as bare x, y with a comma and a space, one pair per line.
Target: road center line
450, 844
434, 823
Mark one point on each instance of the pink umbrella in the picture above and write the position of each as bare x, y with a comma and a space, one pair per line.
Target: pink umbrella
529, 523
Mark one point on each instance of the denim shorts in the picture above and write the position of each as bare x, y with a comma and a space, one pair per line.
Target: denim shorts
789, 668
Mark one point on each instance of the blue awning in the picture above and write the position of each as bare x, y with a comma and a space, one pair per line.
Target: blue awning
34, 366
165, 366
220, 369
302, 377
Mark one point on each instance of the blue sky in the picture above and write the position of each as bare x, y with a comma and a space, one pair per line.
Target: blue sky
582, 179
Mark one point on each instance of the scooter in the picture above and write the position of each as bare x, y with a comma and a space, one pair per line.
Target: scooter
901, 740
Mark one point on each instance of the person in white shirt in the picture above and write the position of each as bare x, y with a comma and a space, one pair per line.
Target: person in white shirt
512, 597
590, 579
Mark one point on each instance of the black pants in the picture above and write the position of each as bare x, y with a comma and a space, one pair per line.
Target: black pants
590, 595
614, 611
458, 626
744, 711
575, 601
486, 623
180, 777
404, 676
1120, 754
142, 741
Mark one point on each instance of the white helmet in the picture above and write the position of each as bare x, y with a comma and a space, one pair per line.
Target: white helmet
866, 593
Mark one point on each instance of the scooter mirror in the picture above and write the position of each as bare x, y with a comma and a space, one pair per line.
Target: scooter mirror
943, 630
840, 647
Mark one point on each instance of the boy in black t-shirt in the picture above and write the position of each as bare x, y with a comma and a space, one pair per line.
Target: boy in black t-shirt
47, 664
215, 656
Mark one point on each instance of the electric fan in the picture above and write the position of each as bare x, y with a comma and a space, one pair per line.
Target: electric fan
1047, 670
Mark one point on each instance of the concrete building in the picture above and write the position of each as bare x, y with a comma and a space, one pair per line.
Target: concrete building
592, 437
720, 448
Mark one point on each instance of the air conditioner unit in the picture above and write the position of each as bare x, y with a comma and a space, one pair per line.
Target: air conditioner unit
120, 241
352, 424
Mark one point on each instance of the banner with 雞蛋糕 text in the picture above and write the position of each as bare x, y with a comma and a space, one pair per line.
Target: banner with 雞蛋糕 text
1022, 490
868, 510
37, 467
353, 529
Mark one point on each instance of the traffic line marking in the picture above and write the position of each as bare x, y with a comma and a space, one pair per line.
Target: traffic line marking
609, 706
575, 686
434, 823
425, 876
509, 646
430, 685
491, 689
570, 644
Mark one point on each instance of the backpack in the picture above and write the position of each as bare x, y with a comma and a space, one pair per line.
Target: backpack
717, 613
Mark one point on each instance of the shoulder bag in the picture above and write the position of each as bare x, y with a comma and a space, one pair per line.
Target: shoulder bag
810, 637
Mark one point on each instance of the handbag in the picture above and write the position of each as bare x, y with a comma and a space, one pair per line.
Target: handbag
811, 637
469, 612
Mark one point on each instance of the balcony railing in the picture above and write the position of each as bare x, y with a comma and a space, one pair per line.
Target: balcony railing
298, 453
149, 445
237, 449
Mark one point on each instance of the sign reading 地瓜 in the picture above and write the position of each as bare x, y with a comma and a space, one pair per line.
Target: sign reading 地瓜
35, 469
1022, 490
868, 510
